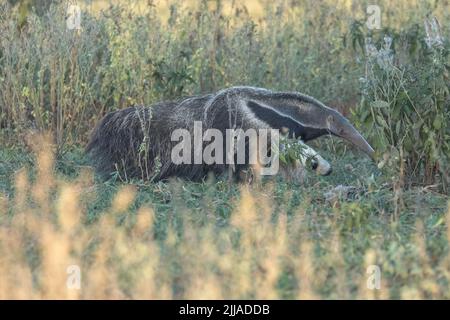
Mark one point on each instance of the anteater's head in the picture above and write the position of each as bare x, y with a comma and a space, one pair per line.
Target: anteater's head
307, 118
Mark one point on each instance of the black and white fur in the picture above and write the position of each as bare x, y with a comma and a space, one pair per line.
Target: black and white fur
136, 142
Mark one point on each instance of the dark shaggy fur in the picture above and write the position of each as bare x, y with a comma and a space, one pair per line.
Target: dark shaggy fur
136, 142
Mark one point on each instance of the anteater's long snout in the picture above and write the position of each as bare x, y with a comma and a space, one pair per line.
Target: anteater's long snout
341, 127
358, 140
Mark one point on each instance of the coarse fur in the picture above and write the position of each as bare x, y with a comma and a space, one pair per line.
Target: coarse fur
136, 142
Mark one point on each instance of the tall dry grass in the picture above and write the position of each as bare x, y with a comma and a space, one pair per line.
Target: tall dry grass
61, 80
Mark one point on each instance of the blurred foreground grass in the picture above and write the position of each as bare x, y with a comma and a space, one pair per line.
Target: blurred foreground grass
215, 240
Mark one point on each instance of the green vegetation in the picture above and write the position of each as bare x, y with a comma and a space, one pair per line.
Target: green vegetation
271, 239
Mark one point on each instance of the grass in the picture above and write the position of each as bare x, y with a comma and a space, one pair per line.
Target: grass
59, 80
178, 239
216, 240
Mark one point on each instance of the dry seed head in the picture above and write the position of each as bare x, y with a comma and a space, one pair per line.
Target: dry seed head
370, 258
68, 210
171, 238
44, 180
55, 259
45, 163
245, 214
16, 282
43, 149
146, 287
21, 188
123, 199
145, 218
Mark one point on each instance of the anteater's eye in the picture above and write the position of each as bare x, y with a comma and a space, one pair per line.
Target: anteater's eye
314, 164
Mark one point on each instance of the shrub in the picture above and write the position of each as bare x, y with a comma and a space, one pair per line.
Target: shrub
405, 106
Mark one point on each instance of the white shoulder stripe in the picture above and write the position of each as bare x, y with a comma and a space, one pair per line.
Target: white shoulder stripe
266, 106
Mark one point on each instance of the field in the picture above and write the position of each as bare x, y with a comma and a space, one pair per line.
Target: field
371, 230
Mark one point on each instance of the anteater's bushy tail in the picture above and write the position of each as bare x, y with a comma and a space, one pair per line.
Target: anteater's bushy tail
116, 142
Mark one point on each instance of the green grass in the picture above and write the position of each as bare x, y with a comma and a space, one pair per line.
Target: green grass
365, 220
